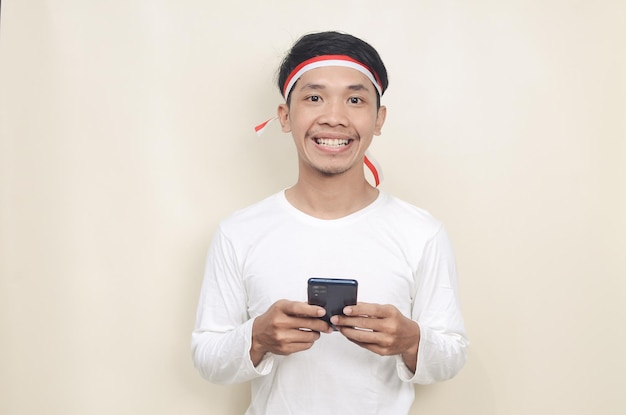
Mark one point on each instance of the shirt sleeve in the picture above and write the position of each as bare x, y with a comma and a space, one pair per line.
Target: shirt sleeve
443, 342
222, 336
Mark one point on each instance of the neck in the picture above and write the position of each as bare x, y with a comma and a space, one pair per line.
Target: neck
330, 197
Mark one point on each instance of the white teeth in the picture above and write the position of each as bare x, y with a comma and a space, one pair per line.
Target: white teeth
332, 142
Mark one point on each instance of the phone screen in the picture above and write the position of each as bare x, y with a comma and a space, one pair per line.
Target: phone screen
333, 294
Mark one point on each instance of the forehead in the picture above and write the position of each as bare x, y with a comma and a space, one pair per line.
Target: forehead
335, 76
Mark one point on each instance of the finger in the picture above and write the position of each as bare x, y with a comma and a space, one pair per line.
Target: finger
359, 322
362, 336
369, 309
312, 324
293, 335
373, 347
297, 308
305, 336
379, 343
295, 341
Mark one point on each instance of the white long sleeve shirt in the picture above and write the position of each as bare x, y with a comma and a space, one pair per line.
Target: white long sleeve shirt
398, 253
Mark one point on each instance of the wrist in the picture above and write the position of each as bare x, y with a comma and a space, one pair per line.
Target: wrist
257, 351
256, 355
409, 356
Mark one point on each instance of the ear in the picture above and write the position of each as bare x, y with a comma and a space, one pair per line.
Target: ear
380, 119
283, 117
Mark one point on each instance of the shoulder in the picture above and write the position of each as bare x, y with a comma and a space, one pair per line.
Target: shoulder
407, 216
254, 218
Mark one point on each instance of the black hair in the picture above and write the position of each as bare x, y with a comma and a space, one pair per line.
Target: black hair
332, 43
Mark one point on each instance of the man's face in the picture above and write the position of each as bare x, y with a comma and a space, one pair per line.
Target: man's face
332, 117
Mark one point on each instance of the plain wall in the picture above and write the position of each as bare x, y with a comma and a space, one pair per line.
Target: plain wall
126, 136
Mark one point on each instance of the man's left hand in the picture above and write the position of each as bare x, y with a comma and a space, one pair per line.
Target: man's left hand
382, 329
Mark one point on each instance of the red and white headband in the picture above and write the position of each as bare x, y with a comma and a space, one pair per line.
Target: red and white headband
332, 60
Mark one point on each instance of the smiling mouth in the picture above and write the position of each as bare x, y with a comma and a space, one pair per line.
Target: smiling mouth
332, 142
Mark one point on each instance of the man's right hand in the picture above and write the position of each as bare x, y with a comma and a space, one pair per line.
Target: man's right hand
286, 327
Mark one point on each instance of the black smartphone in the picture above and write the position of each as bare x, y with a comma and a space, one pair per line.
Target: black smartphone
333, 294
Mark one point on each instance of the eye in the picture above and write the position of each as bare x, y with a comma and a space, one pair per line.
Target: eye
314, 98
355, 100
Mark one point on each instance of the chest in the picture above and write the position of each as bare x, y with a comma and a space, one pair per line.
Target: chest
279, 265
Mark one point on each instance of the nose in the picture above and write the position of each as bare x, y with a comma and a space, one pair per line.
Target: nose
334, 113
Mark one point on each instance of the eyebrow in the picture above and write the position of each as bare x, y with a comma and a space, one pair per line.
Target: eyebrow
355, 87
312, 86
358, 87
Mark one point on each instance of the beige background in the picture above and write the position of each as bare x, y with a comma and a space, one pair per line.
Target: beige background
126, 135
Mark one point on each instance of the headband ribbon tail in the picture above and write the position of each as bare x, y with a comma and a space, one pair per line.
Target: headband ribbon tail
260, 129
374, 167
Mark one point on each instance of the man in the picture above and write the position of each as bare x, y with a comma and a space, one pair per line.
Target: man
253, 321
